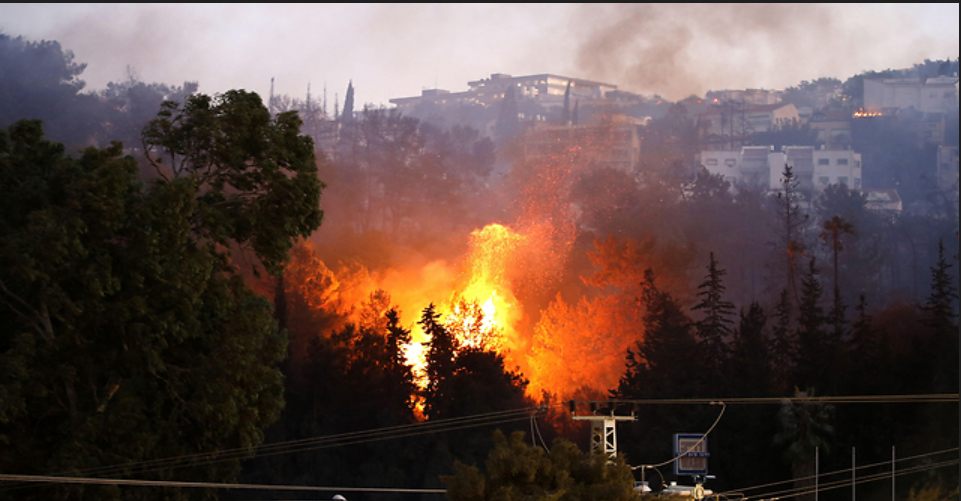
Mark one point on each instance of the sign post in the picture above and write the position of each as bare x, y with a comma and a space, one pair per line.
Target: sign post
691, 451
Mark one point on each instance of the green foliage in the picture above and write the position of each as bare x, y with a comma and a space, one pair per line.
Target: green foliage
126, 335
41, 81
933, 493
516, 471
257, 176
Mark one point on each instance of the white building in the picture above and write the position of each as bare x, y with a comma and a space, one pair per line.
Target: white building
815, 168
928, 95
546, 89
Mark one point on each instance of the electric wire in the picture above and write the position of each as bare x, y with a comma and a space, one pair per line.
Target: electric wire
304, 445
838, 484
696, 444
848, 470
205, 485
143, 470
300, 445
538, 428
452, 424
850, 399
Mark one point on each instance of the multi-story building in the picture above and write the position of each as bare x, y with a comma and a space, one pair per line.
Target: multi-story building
948, 173
927, 95
833, 129
733, 122
546, 89
814, 168
613, 143
749, 96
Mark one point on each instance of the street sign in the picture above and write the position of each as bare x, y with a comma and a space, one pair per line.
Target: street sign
691, 449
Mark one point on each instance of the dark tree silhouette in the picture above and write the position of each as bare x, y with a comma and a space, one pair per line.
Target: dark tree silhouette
790, 230
713, 331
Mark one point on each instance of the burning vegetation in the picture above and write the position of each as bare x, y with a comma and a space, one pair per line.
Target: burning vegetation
452, 278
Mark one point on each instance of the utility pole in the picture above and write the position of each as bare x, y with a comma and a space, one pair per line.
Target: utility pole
603, 428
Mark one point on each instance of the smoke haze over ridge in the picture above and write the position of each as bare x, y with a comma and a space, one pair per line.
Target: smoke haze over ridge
397, 50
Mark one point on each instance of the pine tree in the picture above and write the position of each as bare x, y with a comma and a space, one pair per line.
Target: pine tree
441, 363
941, 350
656, 366
783, 344
940, 303
713, 331
815, 349
750, 358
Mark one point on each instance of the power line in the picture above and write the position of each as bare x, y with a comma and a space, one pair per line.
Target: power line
452, 424
838, 472
205, 485
838, 484
852, 399
315, 443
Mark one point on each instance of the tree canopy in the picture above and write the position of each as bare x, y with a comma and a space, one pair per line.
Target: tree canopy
126, 333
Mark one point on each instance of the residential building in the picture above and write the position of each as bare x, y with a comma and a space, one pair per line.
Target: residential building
733, 123
883, 201
814, 168
613, 143
927, 95
749, 96
833, 129
546, 89
948, 173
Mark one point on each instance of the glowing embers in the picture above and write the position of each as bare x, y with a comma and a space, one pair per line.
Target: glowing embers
485, 306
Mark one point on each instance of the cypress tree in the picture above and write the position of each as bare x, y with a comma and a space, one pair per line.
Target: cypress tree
348, 113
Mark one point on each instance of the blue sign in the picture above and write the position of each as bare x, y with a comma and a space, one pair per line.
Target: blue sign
690, 449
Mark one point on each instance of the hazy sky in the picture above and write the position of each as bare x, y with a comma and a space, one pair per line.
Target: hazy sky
397, 50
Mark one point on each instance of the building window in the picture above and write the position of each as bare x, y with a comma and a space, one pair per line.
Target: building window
711, 161
730, 162
824, 161
843, 180
842, 161
823, 180
857, 183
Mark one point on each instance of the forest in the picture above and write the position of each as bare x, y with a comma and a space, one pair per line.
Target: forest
227, 289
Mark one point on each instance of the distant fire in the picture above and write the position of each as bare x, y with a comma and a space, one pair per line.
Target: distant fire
502, 294
866, 114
